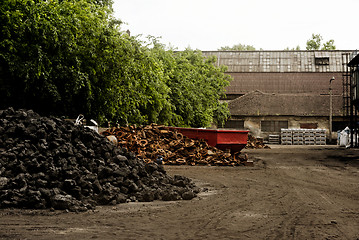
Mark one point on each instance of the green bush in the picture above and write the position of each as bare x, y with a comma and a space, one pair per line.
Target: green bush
71, 57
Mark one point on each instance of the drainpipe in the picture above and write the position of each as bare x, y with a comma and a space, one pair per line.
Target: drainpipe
330, 110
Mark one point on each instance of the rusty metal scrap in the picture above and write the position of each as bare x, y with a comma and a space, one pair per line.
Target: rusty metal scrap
255, 143
173, 148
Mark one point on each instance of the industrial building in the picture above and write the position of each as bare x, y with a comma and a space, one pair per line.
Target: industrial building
354, 99
272, 90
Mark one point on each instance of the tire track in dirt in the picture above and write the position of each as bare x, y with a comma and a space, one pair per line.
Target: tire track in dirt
314, 203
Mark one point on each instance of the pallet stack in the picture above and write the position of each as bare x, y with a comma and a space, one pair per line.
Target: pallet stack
303, 136
320, 137
273, 139
298, 136
309, 137
286, 137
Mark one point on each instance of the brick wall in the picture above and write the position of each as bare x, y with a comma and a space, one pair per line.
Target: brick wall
316, 83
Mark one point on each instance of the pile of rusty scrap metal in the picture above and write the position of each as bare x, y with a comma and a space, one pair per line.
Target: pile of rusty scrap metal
156, 143
255, 143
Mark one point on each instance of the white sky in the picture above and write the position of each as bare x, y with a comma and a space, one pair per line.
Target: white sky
266, 24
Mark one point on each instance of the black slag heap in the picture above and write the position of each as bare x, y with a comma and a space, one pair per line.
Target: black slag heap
52, 163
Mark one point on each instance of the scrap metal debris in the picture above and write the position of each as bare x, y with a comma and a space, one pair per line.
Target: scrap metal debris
255, 143
157, 143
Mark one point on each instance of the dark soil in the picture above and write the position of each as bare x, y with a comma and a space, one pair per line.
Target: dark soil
292, 192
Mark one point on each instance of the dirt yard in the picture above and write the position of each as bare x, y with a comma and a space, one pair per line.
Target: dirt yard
290, 193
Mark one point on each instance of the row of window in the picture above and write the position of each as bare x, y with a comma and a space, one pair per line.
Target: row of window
273, 126
266, 126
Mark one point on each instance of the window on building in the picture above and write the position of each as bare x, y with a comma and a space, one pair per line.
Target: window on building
322, 61
235, 124
273, 126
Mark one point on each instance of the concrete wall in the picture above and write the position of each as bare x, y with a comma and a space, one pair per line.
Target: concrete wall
253, 124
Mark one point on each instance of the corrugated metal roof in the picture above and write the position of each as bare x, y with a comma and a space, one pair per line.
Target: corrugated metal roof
279, 61
321, 54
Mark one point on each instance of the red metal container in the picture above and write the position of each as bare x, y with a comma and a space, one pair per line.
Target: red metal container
234, 140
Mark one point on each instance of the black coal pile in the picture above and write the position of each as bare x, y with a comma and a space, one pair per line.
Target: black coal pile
52, 163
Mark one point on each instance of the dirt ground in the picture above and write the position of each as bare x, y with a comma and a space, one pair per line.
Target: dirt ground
292, 192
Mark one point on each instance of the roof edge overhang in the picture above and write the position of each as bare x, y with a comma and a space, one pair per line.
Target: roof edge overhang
336, 50
354, 61
284, 116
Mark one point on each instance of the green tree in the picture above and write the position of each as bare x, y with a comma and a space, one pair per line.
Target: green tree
70, 57
197, 89
196, 86
329, 45
292, 49
238, 47
102, 3
316, 43
42, 50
